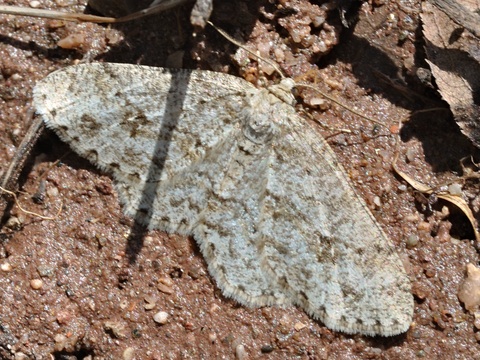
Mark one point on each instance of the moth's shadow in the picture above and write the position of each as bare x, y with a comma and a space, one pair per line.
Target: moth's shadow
143, 217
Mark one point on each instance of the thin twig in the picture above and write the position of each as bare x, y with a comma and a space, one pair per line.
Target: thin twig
59, 15
31, 212
21, 155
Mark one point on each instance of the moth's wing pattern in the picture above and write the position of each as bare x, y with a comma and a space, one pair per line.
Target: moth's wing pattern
144, 125
207, 154
321, 241
174, 157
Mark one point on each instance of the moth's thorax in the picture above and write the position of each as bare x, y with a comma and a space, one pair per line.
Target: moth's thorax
258, 124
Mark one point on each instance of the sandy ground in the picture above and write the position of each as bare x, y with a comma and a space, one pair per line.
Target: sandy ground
90, 302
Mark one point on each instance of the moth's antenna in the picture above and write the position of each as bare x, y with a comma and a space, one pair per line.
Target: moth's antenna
275, 66
339, 103
233, 41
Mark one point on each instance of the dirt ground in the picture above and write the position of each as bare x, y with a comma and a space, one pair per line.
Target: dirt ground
67, 288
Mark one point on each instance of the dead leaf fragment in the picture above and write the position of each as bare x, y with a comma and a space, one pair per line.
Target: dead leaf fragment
456, 200
454, 57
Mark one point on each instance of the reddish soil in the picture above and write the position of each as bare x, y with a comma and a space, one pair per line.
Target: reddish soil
92, 303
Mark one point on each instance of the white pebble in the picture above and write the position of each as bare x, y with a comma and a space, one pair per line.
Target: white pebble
299, 326
36, 284
161, 317
20, 356
240, 352
410, 154
455, 189
402, 187
129, 353
6, 267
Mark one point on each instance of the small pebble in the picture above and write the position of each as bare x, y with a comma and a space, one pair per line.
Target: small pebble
20, 356
240, 352
123, 304
36, 284
402, 188
60, 342
150, 302
45, 270
213, 308
476, 323
161, 317
6, 267
212, 337
266, 349
455, 189
148, 241
52, 192
34, 4
102, 241
410, 154
412, 241
316, 102
72, 41
469, 292
14, 223
129, 353
299, 326
165, 289
64, 317
166, 281
117, 328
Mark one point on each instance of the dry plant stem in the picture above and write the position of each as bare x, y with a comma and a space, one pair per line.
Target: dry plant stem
424, 189
30, 212
339, 103
16, 165
59, 15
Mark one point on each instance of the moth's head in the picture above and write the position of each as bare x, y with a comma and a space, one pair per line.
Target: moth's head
283, 91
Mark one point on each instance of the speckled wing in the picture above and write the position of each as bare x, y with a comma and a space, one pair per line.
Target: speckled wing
170, 140
337, 263
207, 154
146, 126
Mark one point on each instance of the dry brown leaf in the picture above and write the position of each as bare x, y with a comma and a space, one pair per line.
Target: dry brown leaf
454, 58
453, 199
